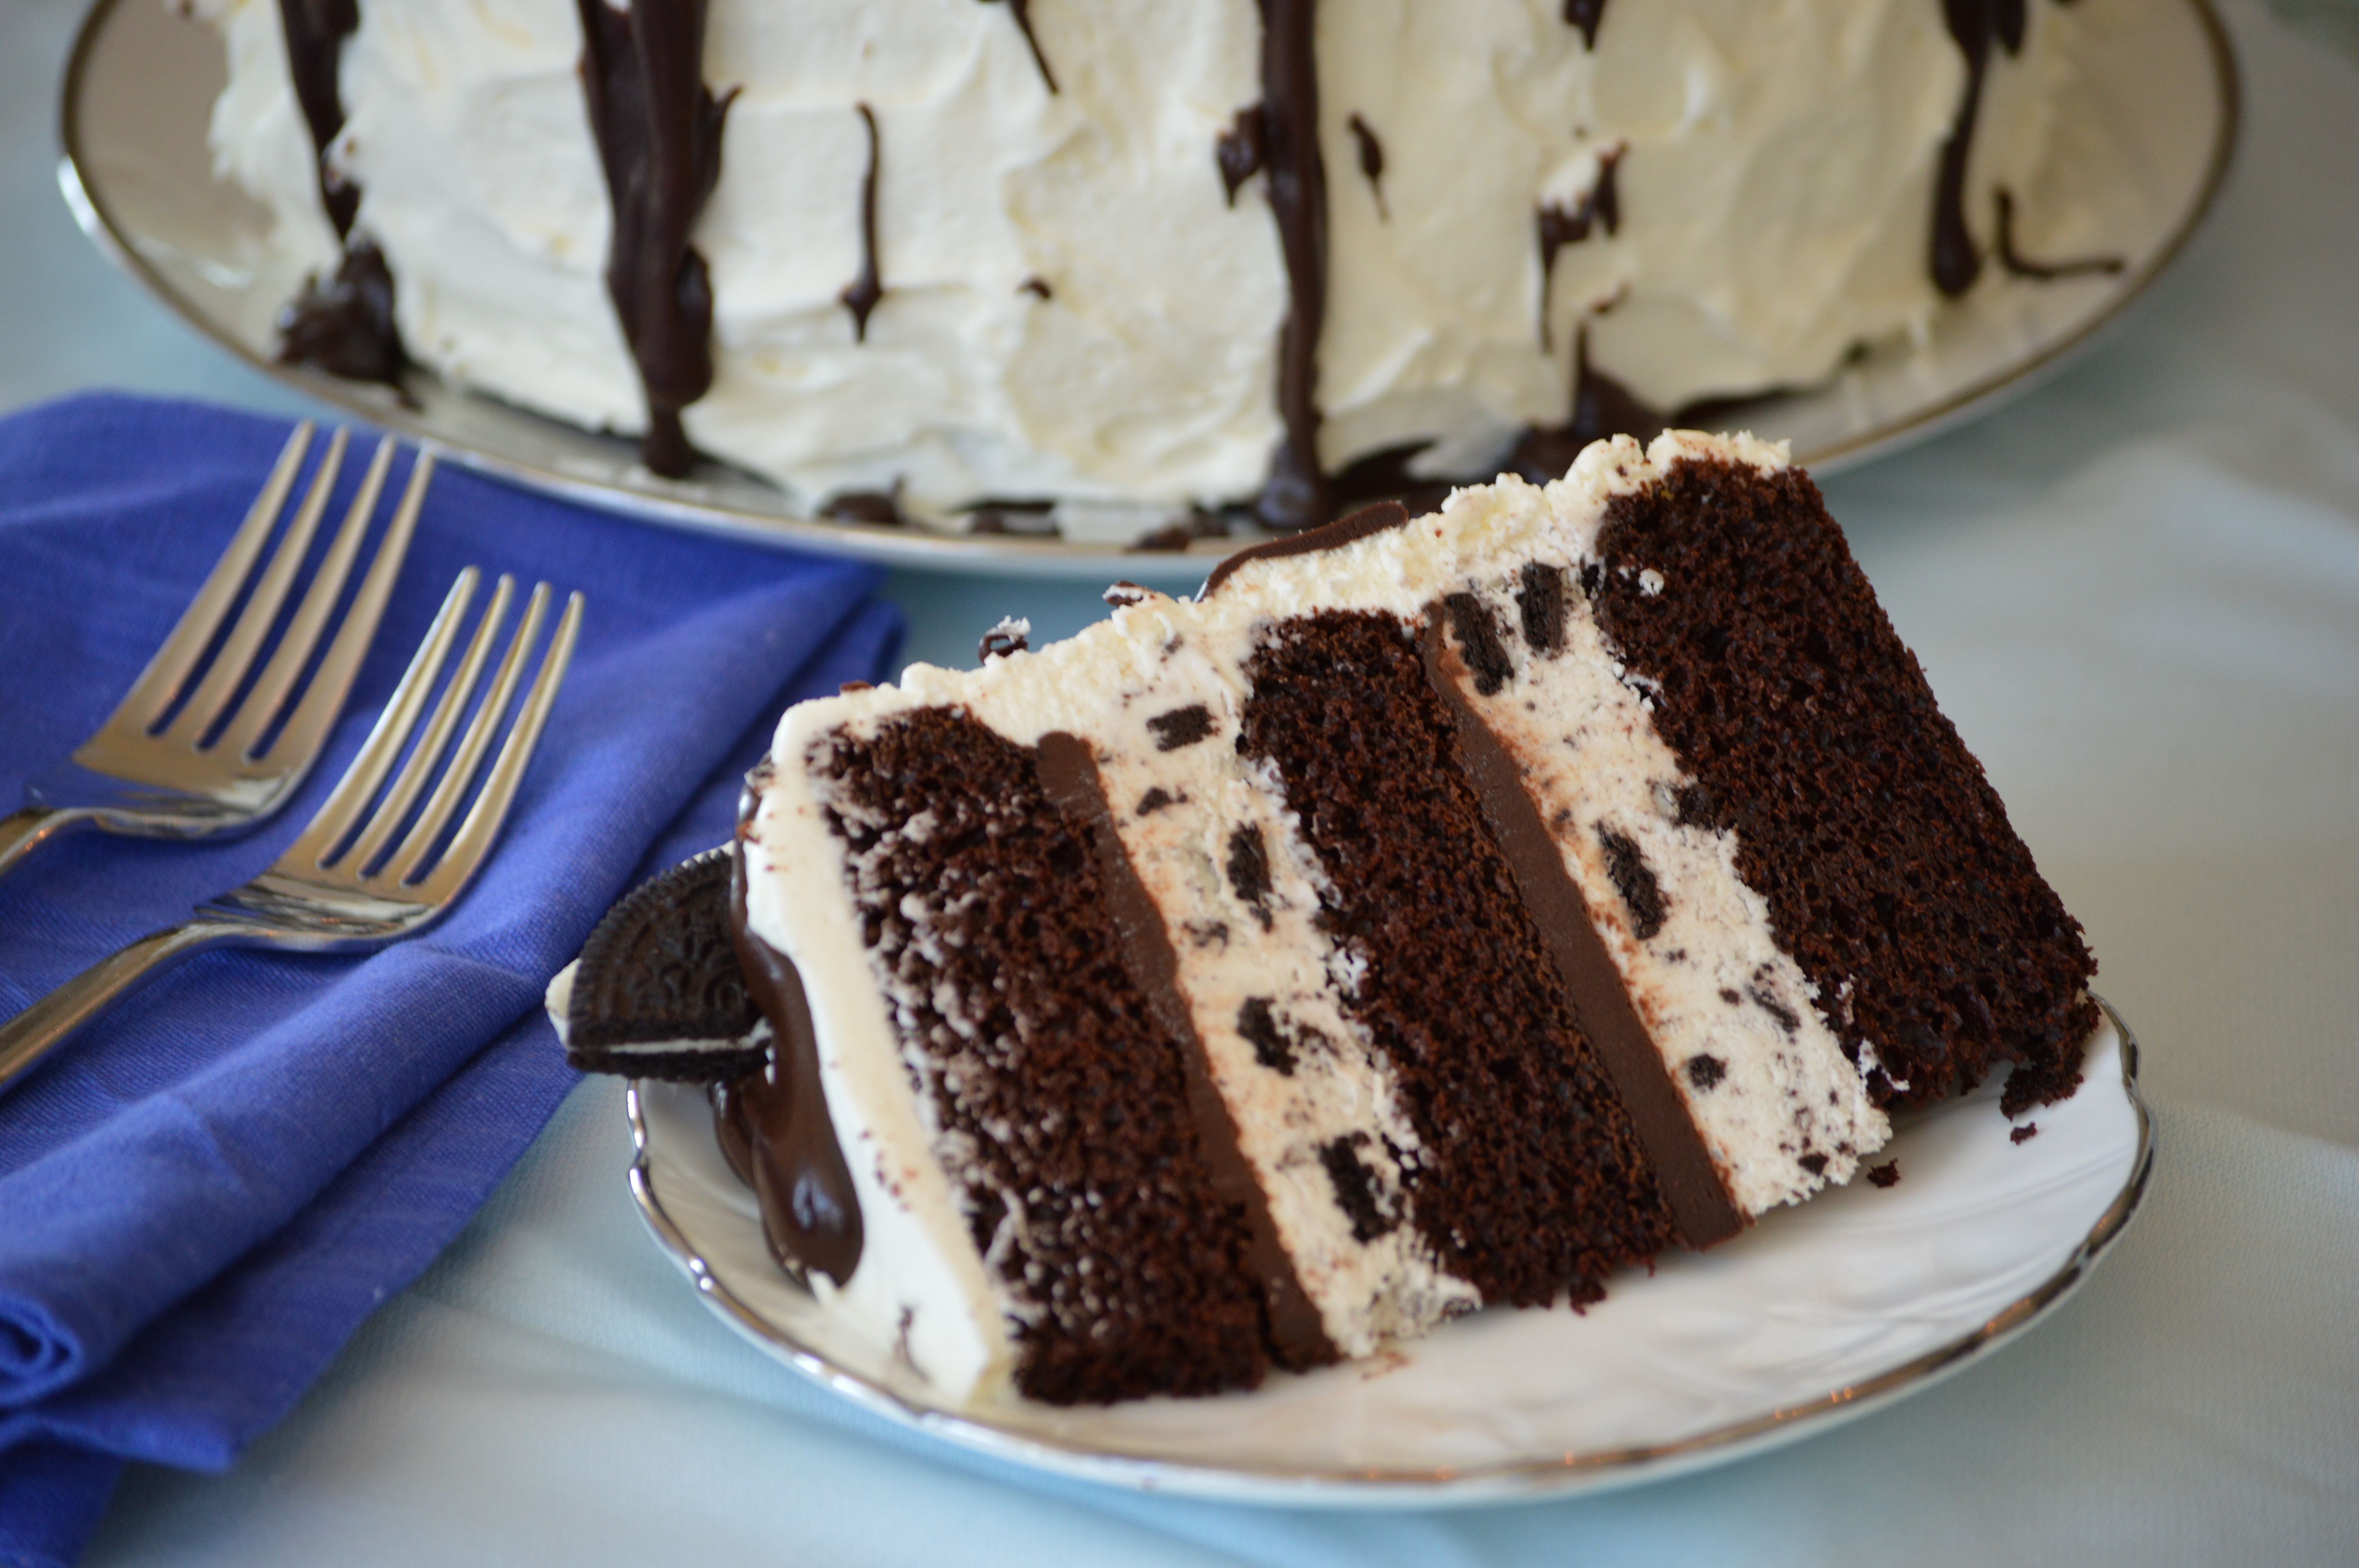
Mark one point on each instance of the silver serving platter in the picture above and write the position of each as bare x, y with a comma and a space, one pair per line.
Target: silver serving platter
1814, 1316
2158, 84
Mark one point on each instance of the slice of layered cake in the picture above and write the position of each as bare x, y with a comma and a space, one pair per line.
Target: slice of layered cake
1435, 913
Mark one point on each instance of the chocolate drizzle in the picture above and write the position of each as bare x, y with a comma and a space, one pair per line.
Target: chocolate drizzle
316, 31
811, 1213
860, 295
1240, 150
1329, 536
1294, 494
1559, 227
2020, 266
1586, 14
880, 508
1022, 11
1690, 1184
345, 325
1956, 260
1602, 406
658, 133
1068, 773
1372, 161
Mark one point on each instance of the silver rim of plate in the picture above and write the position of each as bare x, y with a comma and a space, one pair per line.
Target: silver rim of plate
2081, 1183
137, 172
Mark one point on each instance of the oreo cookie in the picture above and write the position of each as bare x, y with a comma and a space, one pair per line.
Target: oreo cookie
657, 993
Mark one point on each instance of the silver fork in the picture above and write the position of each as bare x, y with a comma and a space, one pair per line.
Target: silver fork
345, 882
176, 783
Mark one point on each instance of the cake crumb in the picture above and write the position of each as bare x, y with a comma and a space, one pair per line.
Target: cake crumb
2030, 1129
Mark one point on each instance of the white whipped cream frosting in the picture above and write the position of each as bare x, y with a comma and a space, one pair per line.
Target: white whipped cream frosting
1774, 166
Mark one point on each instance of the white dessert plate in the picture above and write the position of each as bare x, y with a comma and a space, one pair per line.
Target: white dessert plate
2146, 134
1816, 1315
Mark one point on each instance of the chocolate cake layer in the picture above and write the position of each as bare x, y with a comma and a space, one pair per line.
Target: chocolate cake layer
1061, 1100
1889, 867
1531, 1183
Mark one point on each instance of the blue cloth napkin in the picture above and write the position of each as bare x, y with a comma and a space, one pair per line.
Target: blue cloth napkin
203, 1197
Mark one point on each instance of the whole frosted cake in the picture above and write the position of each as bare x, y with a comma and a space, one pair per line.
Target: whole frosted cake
1434, 913
911, 257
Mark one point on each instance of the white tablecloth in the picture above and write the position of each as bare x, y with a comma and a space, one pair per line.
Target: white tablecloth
2136, 591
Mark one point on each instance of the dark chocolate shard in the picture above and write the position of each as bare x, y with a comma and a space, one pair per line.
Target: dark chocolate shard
1586, 14
1705, 1072
1814, 1163
1635, 881
1884, 1176
1153, 801
1181, 727
659, 993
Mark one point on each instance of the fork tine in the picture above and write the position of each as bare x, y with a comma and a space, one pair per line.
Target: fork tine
474, 841
386, 818
335, 818
151, 694
460, 776
324, 698
262, 701
254, 622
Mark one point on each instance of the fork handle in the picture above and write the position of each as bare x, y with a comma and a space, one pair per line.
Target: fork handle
57, 1017
22, 832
